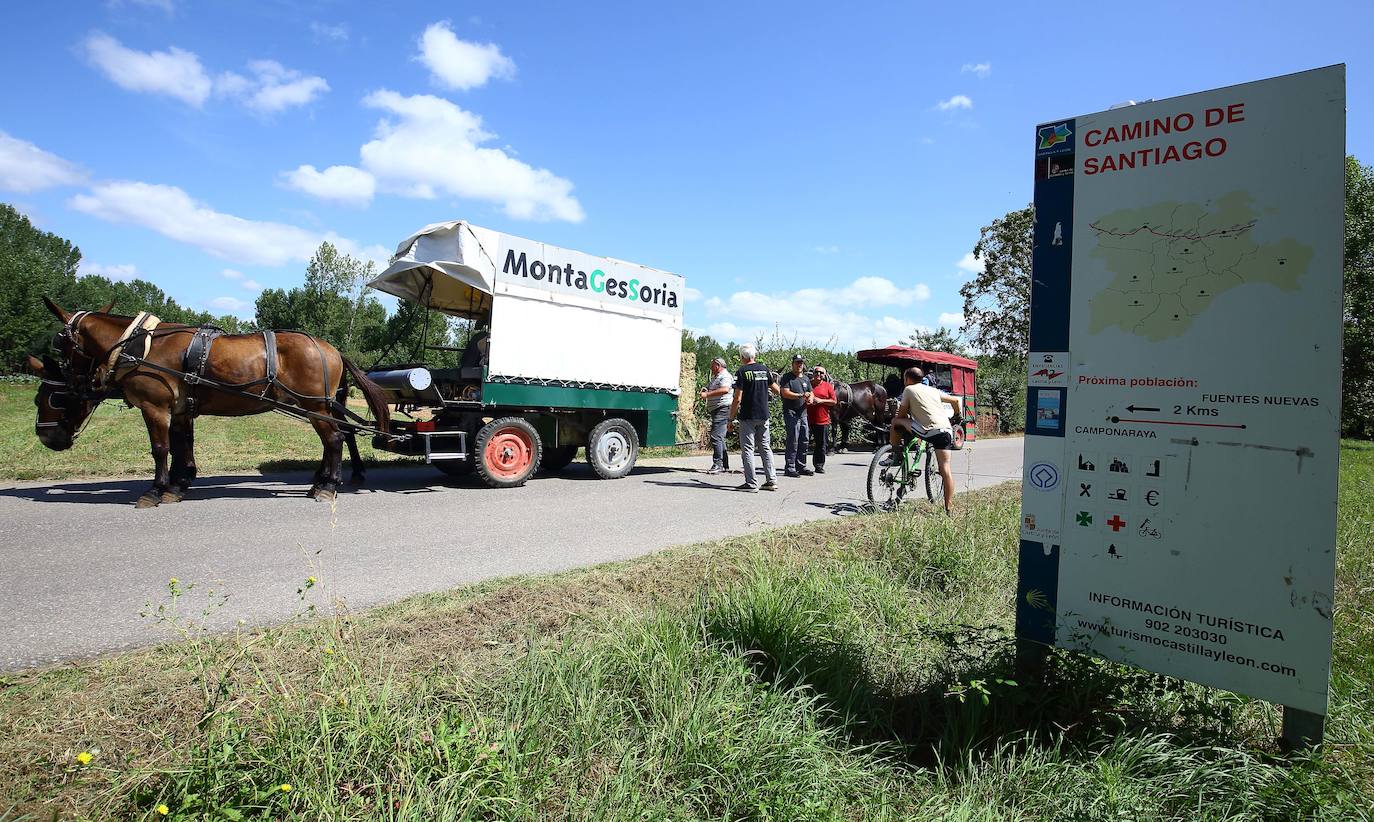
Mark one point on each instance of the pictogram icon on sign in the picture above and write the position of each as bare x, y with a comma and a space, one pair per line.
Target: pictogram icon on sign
1119, 495
1085, 464
1118, 466
1113, 552
1044, 476
1085, 489
1152, 498
1116, 522
1154, 469
1084, 518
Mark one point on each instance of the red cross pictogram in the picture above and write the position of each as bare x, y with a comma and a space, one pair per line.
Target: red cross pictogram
1116, 522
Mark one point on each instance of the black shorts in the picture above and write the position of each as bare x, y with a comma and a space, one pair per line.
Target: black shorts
939, 440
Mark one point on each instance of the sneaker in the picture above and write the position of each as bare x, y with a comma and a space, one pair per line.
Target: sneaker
820, 470
886, 461
770, 486
715, 469
753, 489
790, 473
805, 472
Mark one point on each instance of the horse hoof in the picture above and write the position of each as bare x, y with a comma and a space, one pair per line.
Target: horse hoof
172, 496
148, 500
325, 495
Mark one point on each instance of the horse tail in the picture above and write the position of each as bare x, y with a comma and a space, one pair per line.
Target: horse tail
376, 400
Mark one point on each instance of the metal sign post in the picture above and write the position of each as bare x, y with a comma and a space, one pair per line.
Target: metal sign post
1183, 395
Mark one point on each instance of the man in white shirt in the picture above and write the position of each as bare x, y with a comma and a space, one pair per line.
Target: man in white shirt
717, 397
922, 413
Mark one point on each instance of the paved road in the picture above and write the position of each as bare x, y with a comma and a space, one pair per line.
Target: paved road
78, 562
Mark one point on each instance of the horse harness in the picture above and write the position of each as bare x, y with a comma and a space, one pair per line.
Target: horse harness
119, 362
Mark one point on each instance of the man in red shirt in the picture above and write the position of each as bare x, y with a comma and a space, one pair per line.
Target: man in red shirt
818, 415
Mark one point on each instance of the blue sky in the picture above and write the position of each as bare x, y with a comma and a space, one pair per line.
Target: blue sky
819, 168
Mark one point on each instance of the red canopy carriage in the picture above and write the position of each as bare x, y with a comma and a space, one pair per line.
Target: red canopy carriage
950, 373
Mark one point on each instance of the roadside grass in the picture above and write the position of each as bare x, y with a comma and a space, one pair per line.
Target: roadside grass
115, 443
859, 668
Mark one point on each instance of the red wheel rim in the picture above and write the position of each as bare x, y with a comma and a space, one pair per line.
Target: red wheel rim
509, 453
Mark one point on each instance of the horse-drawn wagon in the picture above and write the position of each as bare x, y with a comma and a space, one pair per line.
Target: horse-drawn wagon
950, 373
565, 350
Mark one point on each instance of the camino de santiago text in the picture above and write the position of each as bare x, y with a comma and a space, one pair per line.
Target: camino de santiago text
597, 281
1118, 155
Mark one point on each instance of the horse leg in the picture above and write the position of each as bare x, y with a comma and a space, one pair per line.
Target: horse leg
355, 459
158, 422
331, 467
180, 438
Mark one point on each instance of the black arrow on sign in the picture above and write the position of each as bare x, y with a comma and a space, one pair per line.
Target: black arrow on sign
1134, 408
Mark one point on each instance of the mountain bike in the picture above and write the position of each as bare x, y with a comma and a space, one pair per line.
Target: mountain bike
915, 464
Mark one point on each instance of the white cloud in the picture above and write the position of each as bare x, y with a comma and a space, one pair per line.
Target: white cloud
233, 305
173, 213
458, 64
979, 70
433, 147
958, 101
857, 315
123, 272
826, 249
237, 276
175, 72
951, 320
690, 294
25, 167
338, 32
340, 184
272, 87
970, 263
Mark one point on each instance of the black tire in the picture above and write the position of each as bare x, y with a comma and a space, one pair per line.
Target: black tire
612, 448
506, 452
556, 459
935, 484
886, 483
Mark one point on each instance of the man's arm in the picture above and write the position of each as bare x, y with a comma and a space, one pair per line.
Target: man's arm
950, 399
734, 403
716, 392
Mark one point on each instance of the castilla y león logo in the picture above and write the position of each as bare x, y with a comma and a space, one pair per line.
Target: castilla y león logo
1051, 136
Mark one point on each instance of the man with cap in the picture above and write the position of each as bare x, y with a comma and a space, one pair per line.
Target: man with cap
795, 389
818, 415
717, 397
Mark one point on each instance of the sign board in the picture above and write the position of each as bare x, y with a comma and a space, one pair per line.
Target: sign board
1183, 393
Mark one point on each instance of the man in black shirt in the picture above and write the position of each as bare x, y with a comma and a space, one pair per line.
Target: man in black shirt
749, 409
795, 389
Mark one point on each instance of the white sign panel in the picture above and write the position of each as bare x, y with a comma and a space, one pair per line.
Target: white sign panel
1184, 387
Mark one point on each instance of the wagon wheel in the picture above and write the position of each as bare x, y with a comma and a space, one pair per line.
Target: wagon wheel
612, 448
506, 452
557, 458
959, 436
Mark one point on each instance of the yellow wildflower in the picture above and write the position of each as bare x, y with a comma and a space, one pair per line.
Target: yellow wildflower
163, 810
173, 581
84, 757
329, 651
285, 787
309, 580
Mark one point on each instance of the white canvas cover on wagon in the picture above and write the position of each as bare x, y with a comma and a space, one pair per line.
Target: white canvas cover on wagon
546, 329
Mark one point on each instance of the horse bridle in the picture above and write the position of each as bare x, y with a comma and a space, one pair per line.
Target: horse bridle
74, 386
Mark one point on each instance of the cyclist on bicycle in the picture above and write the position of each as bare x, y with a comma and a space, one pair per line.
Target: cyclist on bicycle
922, 413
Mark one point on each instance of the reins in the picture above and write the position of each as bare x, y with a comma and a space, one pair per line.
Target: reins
99, 385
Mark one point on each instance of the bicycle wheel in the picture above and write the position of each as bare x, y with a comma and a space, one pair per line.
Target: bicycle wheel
886, 483
935, 484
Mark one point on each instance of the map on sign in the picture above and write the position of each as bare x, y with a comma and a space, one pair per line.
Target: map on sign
1169, 261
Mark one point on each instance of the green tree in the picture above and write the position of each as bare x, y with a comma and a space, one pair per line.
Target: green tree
1357, 411
33, 263
941, 339
997, 300
332, 304
1002, 391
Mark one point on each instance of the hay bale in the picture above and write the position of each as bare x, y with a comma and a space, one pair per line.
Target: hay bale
688, 426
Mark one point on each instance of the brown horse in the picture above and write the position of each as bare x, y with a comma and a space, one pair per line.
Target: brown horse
102, 355
865, 400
